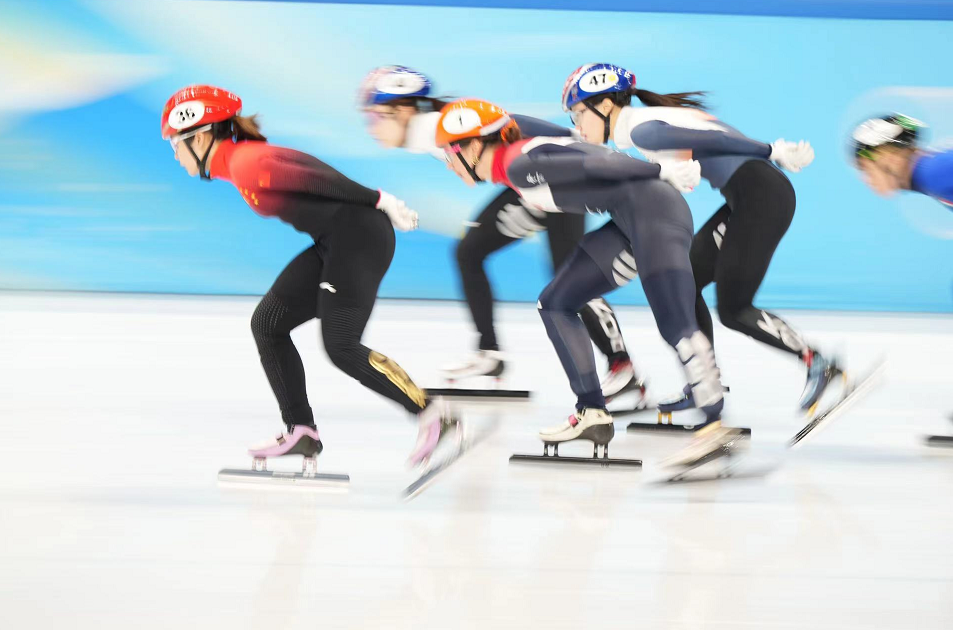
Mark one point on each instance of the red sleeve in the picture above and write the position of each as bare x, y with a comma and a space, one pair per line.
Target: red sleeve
274, 169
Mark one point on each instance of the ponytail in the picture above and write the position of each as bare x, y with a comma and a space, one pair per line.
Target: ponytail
511, 133
651, 99
678, 99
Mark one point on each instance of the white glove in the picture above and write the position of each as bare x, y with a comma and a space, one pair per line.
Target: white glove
684, 175
403, 218
791, 156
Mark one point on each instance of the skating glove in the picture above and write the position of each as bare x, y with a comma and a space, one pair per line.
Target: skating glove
791, 156
684, 175
403, 218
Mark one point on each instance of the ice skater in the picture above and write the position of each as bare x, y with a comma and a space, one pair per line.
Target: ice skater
650, 230
887, 151
735, 246
335, 280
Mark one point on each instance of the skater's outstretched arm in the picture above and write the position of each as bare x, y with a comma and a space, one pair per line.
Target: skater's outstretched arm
657, 135
535, 128
575, 163
316, 179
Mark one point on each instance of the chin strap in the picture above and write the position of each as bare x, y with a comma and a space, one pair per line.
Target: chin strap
472, 169
605, 120
203, 169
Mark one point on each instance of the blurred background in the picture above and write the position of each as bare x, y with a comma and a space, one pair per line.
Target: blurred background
94, 201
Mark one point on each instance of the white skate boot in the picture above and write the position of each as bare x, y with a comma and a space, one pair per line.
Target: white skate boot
480, 363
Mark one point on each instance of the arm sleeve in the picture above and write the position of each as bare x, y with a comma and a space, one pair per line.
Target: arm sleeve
536, 128
570, 166
656, 135
318, 179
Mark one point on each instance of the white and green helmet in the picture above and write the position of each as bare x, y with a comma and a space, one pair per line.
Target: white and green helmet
890, 130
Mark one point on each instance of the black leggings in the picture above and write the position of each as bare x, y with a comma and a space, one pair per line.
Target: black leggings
335, 280
504, 221
734, 249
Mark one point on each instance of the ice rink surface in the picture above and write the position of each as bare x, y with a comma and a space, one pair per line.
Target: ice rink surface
118, 411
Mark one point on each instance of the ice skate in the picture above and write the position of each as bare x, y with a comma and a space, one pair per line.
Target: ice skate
708, 443
435, 424
820, 372
480, 363
853, 390
588, 424
621, 380
298, 440
704, 383
481, 374
442, 440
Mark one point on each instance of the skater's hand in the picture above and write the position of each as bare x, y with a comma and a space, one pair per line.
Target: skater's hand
403, 218
684, 175
792, 156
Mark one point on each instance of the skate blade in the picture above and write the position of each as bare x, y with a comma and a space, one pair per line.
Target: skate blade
674, 429
718, 471
854, 392
330, 482
436, 466
480, 394
599, 462
940, 441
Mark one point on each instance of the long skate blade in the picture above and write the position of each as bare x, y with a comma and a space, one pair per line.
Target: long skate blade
677, 429
603, 462
857, 390
482, 394
429, 475
732, 470
276, 477
940, 441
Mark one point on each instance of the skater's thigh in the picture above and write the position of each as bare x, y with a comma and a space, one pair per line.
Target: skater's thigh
296, 286
499, 224
565, 231
658, 223
360, 250
587, 274
706, 246
749, 244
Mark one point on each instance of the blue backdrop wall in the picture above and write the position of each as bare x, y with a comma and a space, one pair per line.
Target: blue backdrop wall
93, 200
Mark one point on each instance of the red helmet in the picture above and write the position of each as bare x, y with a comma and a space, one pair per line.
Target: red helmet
198, 105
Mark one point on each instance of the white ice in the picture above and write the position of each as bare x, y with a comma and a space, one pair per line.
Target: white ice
117, 412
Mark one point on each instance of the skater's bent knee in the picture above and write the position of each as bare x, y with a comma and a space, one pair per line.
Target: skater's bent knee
266, 316
731, 315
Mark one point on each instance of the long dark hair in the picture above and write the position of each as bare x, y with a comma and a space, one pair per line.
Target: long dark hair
652, 99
